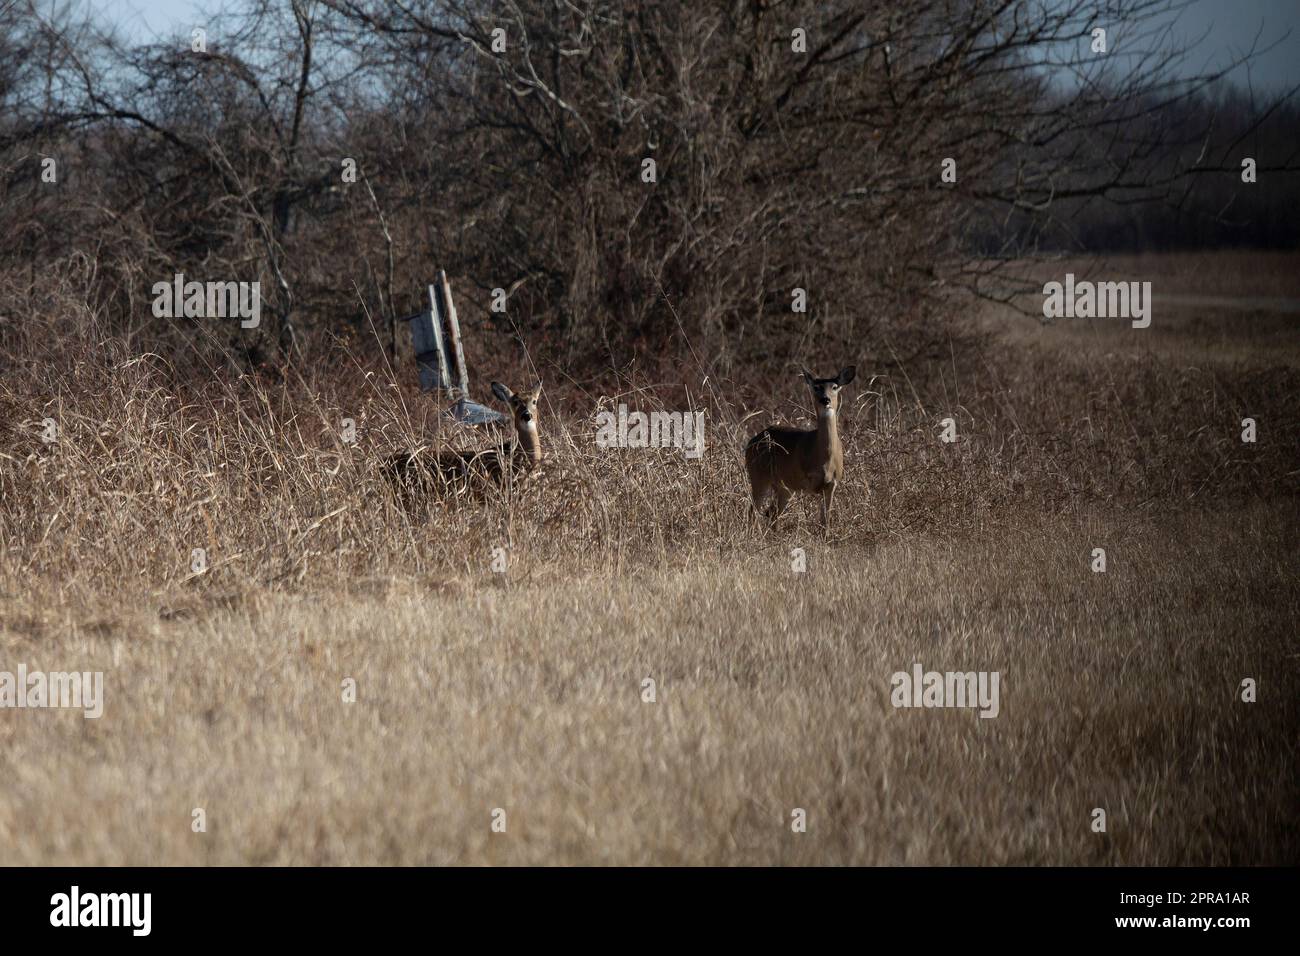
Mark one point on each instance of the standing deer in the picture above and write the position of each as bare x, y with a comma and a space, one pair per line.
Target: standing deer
786, 460
458, 471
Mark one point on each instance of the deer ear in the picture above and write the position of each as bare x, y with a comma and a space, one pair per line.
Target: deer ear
808, 377
501, 392
537, 393
847, 374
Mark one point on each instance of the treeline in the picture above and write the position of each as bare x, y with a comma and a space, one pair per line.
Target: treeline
604, 182
1240, 191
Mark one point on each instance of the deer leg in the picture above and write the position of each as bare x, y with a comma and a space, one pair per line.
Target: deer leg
778, 506
757, 493
760, 486
828, 496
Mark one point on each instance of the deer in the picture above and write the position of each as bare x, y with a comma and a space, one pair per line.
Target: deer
458, 471
786, 460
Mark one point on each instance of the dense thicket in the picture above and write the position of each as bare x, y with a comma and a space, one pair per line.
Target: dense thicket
795, 145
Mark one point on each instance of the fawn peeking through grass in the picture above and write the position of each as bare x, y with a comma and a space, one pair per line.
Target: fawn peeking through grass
457, 472
786, 460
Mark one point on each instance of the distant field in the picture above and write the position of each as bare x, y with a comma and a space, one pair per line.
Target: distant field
1237, 273
1235, 308
524, 691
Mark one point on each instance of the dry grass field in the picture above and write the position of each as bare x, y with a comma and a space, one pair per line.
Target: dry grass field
523, 690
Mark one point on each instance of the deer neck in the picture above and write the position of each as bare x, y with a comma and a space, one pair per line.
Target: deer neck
528, 448
828, 435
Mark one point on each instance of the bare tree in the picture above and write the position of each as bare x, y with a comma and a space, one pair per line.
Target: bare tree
625, 174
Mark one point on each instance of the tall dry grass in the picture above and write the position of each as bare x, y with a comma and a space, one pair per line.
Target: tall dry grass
150, 464
525, 692
522, 689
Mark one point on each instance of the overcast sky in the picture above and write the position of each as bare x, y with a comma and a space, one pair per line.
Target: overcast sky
1231, 25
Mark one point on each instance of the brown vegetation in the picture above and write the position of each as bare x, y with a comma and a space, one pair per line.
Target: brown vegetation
522, 690
183, 508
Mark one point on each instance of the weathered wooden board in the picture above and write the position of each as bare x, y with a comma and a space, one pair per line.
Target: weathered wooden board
440, 356
455, 352
430, 352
